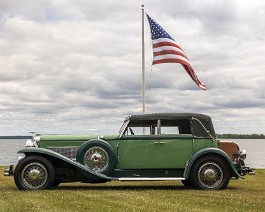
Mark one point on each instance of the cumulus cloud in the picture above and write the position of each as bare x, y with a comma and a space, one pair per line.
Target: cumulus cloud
75, 67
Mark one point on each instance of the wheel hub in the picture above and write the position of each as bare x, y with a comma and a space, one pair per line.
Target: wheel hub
210, 174
96, 158
34, 174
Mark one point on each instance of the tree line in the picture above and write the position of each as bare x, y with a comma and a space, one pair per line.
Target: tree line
241, 136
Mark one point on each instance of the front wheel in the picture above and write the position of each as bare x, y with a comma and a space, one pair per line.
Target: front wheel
210, 173
34, 173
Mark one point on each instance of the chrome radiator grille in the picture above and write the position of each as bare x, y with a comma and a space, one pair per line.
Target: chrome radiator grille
69, 152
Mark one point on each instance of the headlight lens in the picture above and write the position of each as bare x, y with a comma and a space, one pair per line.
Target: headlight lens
243, 154
34, 142
30, 143
37, 140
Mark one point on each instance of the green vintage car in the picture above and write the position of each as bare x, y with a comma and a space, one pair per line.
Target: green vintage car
161, 146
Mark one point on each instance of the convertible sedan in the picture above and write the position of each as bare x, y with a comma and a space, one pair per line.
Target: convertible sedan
161, 146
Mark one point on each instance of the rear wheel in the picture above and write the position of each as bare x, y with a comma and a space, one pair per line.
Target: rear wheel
210, 173
34, 173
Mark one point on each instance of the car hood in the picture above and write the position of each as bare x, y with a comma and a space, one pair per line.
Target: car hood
76, 137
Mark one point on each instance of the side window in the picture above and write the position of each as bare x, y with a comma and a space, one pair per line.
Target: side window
147, 130
169, 130
175, 127
158, 127
136, 131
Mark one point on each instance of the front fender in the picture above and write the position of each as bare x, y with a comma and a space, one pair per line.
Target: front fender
49, 153
213, 151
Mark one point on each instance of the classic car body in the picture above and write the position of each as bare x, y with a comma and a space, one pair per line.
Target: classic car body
162, 146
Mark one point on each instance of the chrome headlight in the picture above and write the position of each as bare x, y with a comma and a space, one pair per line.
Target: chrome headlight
34, 142
37, 140
30, 143
243, 154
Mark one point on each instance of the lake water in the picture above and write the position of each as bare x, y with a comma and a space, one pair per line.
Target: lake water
255, 151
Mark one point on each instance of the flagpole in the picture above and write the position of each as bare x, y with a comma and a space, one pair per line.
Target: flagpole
143, 62
143, 66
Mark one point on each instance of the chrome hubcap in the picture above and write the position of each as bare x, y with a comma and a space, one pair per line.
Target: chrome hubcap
34, 175
210, 175
96, 158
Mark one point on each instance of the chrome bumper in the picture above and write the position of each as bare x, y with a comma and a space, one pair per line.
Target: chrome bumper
247, 170
9, 171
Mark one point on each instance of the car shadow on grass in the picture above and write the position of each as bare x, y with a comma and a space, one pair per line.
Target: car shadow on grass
122, 187
84, 186
93, 187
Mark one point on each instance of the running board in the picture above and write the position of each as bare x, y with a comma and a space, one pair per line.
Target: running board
150, 178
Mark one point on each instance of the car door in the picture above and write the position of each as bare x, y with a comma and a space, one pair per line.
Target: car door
138, 152
174, 150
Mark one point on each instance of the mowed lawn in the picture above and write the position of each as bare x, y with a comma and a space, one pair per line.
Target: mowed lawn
241, 195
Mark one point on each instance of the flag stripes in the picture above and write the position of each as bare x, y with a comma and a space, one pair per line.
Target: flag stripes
166, 50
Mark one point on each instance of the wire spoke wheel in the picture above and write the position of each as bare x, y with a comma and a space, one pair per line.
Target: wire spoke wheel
210, 175
96, 158
34, 175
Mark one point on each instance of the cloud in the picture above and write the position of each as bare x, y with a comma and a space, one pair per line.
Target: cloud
68, 67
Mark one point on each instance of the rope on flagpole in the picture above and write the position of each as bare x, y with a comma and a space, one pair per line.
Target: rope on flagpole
149, 89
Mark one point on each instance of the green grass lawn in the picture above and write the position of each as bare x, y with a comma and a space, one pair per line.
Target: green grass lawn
241, 195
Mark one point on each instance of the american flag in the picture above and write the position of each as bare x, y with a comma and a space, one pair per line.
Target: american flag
166, 50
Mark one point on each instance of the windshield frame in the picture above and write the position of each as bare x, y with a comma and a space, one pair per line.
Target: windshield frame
124, 126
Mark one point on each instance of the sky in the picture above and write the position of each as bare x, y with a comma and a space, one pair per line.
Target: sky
75, 66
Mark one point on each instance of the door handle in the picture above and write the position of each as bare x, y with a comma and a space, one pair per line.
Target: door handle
161, 142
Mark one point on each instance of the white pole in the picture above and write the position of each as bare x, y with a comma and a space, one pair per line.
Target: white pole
143, 66
143, 62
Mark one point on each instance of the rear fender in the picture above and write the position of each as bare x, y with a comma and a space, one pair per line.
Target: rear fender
212, 151
91, 175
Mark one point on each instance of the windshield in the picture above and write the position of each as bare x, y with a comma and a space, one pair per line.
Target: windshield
123, 127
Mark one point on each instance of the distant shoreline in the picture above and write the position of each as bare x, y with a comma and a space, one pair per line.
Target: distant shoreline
15, 137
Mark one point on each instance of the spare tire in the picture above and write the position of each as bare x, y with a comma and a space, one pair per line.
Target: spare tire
97, 155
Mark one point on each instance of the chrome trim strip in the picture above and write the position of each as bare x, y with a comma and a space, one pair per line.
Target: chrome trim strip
149, 178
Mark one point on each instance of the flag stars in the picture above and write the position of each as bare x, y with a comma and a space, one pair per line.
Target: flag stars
157, 31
